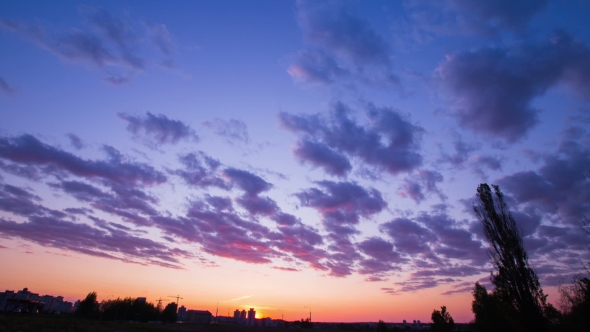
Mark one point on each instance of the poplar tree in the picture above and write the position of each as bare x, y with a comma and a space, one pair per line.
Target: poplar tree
516, 283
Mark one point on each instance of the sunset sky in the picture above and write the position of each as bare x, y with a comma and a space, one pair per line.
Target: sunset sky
289, 154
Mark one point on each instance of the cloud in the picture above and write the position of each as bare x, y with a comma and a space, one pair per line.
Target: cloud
341, 205
118, 32
499, 14
461, 287
76, 141
164, 41
116, 79
27, 150
382, 257
7, 88
251, 184
85, 239
133, 205
389, 142
426, 21
344, 202
416, 284
413, 186
159, 128
107, 42
558, 189
287, 269
321, 155
21, 202
316, 67
410, 238
200, 170
233, 130
241, 298
339, 44
493, 88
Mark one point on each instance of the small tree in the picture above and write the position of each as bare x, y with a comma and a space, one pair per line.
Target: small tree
169, 314
381, 327
88, 306
517, 284
442, 320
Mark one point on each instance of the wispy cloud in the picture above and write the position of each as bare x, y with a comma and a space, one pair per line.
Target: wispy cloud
240, 298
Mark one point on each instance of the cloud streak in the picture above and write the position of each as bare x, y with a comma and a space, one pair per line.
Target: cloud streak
159, 128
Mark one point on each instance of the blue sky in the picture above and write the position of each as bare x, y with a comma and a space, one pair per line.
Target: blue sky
340, 140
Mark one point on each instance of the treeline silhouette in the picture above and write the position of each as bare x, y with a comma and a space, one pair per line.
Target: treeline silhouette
125, 309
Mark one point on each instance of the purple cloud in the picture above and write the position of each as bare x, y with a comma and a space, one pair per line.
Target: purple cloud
164, 42
233, 130
118, 32
133, 205
429, 20
493, 88
26, 150
200, 170
288, 269
251, 184
345, 202
409, 237
159, 127
412, 187
107, 42
316, 67
7, 88
390, 141
341, 205
339, 43
76, 141
21, 202
416, 284
85, 239
558, 188
320, 155
499, 14
382, 257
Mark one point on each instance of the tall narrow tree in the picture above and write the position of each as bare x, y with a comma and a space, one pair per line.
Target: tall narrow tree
516, 283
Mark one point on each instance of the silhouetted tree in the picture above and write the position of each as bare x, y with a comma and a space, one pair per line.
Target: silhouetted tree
169, 313
575, 303
517, 284
88, 307
442, 320
575, 298
491, 314
381, 327
129, 309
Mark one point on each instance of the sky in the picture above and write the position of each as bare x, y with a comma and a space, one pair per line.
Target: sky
289, 156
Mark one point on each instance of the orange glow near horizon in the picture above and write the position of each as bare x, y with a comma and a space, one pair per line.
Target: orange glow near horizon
274, 293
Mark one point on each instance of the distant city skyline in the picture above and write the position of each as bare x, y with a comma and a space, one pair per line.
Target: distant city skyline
289, 156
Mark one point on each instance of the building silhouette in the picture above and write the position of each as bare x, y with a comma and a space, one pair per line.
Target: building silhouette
198, 316
26, 301
251, 317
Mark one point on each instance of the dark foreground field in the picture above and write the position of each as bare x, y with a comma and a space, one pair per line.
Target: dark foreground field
55, 323
69, 323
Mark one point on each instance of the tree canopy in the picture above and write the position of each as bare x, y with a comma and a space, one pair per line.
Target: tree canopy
517, 289
442, 321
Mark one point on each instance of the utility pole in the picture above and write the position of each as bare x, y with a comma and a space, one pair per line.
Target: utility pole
309, 313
